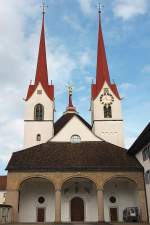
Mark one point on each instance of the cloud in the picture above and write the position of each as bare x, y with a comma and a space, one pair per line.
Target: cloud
73, 23
60, 65
85, 59
126, 86
86, 6
20, 25
146, 69
127, 9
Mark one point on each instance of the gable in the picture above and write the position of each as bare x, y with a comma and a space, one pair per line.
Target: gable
73, 125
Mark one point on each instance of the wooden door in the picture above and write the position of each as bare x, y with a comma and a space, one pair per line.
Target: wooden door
113, 214
77, 209
41, 215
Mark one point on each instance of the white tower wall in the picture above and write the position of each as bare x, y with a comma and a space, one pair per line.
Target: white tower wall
110, 129
43, 127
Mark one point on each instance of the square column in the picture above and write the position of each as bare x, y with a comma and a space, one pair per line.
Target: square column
142, 205
12, 198
58, 205
100, 201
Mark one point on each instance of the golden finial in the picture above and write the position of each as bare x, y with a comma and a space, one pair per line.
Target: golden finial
70, 89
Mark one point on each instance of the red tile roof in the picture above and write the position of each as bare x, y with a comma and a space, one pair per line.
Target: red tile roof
66, 156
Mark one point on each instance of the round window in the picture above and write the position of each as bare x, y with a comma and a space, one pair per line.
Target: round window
112, 199
41, 200
75, 138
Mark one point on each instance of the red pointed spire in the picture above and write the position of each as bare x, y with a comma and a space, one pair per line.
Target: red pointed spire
102, 71
41, 70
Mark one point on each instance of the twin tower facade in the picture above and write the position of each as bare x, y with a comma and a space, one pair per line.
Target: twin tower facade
106, 115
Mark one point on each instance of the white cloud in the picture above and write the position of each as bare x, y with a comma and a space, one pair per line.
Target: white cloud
60, 65
127, 9
146, 69
73, 23
85, 59
18, 55
126, 86
86, 6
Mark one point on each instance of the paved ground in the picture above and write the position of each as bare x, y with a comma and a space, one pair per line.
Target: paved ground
79, 223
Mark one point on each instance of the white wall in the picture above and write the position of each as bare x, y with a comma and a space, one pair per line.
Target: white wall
146, 165
74, 126
126, 196
29, 194
90, 200
111, 129
31, 127
2, 197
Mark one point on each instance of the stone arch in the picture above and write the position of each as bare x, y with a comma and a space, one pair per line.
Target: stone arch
82, 187
78, 176
36, 196
109, 179
120, 193
31, 177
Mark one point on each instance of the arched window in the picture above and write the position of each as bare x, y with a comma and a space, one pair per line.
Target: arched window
107, 111
38, 137
75, 138
39, 112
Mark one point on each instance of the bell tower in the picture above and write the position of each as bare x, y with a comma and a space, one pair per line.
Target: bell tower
106, 115
39, 103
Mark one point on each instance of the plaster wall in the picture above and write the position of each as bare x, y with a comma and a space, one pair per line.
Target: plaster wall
111, 129
125, 194
74, 126
28, 205
146, 166
2, 197
89, 198
32, 127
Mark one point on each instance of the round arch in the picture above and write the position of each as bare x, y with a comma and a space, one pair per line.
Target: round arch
109, 179
120, 193
78, 177
32, 177
36, 200
79, 187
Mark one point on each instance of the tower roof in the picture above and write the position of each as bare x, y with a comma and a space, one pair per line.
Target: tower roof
41, 70
102, 71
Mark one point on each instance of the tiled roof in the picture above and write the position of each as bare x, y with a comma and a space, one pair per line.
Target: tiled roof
66, 156
3, 183
63, 120
142, 140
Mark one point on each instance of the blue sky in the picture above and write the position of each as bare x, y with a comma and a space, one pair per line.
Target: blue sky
71, 39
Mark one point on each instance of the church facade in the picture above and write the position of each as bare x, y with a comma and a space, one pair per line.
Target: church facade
70, 170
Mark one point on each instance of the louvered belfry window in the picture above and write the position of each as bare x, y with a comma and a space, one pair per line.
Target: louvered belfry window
39, 112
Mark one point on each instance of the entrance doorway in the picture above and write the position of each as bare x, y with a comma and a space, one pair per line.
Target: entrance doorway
77, 209
41, 215
113, 214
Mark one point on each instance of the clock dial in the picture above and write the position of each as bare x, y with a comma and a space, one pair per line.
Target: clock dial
106, 98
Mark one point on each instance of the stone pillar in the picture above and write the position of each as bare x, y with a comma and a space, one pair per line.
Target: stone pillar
142, 205
58, 205
100, 201
12, 198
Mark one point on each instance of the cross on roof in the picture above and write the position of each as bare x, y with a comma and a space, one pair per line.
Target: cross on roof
43, 7
99, 7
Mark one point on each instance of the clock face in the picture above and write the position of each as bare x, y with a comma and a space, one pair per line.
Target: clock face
106, 99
